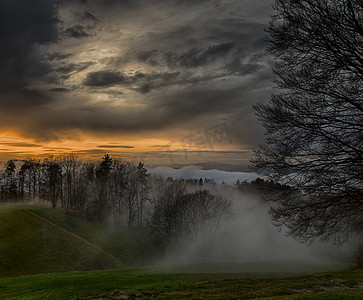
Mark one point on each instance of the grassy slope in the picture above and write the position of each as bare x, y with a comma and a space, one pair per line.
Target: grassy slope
132, 247
29, 244
136, 246
143, 284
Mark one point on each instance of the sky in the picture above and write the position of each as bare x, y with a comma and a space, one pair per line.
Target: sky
161, 81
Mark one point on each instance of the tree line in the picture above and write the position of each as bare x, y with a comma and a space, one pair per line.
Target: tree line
115, 191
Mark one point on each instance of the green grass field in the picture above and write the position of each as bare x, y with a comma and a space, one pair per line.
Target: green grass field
145, 284
41, 240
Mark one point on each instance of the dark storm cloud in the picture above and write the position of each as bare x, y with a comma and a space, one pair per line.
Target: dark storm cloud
168, 111
76, 31
189, 103
192, 109
57, 56
198, 57
181, 64
237, 67
236, 29
22, 26
148, 82
90, 16
145, 88
141, 82
192, 58
14, 100
123, 3
147, 57
67, 68
63, 70
103, 78
59, 90
114, 94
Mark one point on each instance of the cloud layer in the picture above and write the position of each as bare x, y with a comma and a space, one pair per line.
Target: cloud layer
155, 68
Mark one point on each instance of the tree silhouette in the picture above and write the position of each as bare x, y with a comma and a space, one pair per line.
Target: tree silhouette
10, 187
53, 177
314, 124
143, 189
102, 176
181, 215
69, 164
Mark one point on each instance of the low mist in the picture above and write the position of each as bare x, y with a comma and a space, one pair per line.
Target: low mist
192, 171
248, 235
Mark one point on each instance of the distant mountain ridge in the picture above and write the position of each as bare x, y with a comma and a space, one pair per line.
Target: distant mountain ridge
209, 166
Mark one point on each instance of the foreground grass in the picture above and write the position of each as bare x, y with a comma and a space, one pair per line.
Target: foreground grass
145, 284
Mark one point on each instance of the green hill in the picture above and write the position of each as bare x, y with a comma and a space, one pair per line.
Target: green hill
133, 246
30, 243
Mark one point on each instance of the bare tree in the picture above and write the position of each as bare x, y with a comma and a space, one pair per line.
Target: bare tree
69, 165
181, 215
131, 194
204, 210
88, 173
9, 188
31, 170
119, 184
80, 189
142, 194
53, 180
314, 124
167, 217
102, 172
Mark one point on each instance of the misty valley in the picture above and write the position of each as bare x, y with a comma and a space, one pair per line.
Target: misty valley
122, 215
65, 215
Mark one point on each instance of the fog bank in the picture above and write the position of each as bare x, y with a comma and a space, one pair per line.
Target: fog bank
195, 172
248, 235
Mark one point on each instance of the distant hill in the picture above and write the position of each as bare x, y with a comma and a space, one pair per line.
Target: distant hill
209, 166
30, 243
